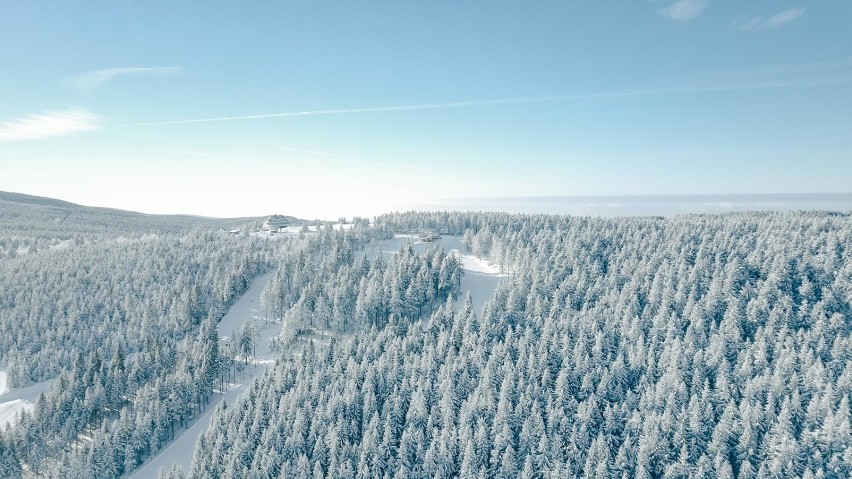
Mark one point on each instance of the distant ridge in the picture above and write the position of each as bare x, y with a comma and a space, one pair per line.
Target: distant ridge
56, 203
36, 200
30, 214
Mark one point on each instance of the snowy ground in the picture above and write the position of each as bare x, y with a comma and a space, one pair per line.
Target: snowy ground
248, 308
480, 278
9, 412
295, 230
14, 400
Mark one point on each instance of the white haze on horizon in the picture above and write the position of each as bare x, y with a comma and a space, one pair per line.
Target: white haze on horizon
333, 208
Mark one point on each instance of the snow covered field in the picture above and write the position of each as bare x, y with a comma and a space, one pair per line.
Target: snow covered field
295, 230
248, 308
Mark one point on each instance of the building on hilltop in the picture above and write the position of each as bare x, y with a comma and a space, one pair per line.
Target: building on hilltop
275, 223
428, 236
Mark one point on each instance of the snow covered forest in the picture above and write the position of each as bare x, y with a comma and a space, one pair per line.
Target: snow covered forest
698, 346
120, 318
692, 346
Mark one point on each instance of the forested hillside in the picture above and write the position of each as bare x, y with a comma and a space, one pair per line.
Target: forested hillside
120, 316
101, 296
696, 346
32, 223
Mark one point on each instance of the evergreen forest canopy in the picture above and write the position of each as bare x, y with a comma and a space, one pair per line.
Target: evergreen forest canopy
697, 346
693, 346
112, 305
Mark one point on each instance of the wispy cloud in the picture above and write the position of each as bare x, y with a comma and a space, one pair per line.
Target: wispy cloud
717, 85
778, 20
683, 10
49, 124
95, 79
804, 73
379, 109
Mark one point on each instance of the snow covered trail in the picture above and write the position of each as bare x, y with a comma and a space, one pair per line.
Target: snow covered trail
480, 277
9, 412
181, 448
9, 407
480, 284
14, 400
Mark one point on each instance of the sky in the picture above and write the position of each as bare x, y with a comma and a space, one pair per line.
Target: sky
327, 109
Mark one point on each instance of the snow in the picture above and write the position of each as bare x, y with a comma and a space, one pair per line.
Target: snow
63, 244
480, 279
28, 394
472, 264
180, 450
247, 308
295, 230
14, 400
481, 285
9, 412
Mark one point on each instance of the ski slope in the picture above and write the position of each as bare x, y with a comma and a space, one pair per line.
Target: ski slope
13, 401
247, 308
480, 277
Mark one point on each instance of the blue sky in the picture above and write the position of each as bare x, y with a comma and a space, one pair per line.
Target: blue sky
340, 108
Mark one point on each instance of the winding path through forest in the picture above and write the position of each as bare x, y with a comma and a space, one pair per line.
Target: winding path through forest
480, 277
480, 280
246, 309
